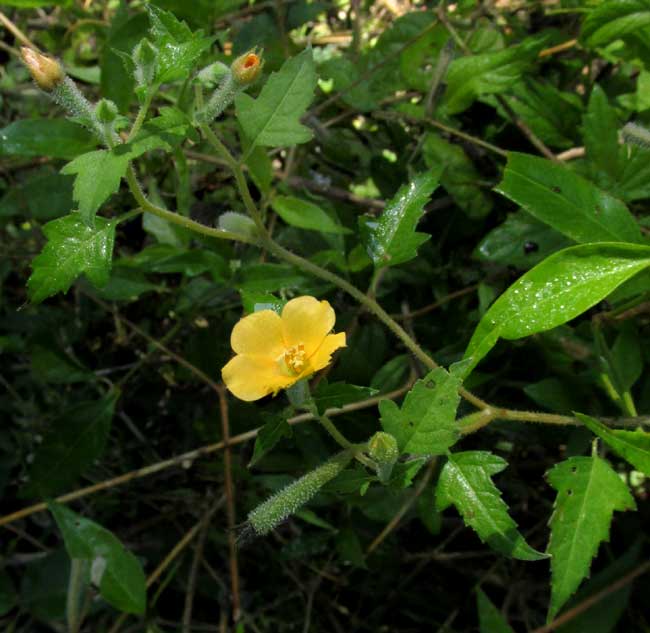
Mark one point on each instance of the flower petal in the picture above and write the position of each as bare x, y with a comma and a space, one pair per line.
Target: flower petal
323, 355
251, 378
308, 321
258, 334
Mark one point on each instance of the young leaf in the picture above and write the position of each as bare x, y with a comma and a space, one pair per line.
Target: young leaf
273, 119
633, 446
305, 215
115, 570
426, 423
563, 286
98, 174
73, 442
589, 491
392, 239
465, 481
178, 48
73, 248
490, 618
270, 434
566, 201
473, 76
610, 21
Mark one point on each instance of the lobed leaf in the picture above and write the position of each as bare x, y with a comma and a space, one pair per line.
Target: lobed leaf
72, 249
273, 119
426, 422
465, 481
589, 491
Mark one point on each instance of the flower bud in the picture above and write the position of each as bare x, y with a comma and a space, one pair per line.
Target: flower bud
145, 57
382, 448
46, 71
106, 111
234, 222
247, 68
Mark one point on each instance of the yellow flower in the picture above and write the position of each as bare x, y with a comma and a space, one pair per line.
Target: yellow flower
275, 351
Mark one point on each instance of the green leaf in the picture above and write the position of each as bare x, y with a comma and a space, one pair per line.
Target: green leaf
306, 215
99, 173
72, 249
392, 239
600, 132
521, 241
43, 195
426, 422
269, 435
465, 481
612, 20
589, 491
633, 446
459, 176
115, 570
178, 48
473, 76
490, 618
337, 394
559, 289
57, 138
349, 548
54, 366
566, 201
72, 443
273, 119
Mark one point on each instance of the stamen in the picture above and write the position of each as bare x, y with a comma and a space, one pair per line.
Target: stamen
294, 358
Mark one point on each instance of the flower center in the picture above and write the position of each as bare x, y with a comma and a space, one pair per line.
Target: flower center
251, 60
294, 358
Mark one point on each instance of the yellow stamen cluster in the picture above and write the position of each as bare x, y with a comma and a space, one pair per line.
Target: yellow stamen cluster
295, 358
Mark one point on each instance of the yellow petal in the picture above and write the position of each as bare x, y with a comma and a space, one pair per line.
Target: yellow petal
251, 378
258, 334
308, 321
323, 355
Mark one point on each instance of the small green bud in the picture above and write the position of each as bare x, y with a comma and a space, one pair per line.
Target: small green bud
383, 449
284, 503
237, 223
211, 75
145, 58
106, 111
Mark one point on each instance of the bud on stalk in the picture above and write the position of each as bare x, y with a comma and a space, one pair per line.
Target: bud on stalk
46, 71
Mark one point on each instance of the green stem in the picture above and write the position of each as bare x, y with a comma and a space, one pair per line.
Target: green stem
175, 218
142, 112
76, 588
125, 217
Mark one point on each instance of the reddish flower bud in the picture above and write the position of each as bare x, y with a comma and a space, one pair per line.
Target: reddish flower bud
246, 69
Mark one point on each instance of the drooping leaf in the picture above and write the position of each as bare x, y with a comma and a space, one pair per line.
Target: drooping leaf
426, 422
612, 20
633, 446
274, 429
392, 239
72, 249
473, 76
566, 201
57, 138
273, 119
557, 290
337, 394
178, 48
589, 491
465, 481
72, 443
115, 570
306, 215
489, 617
